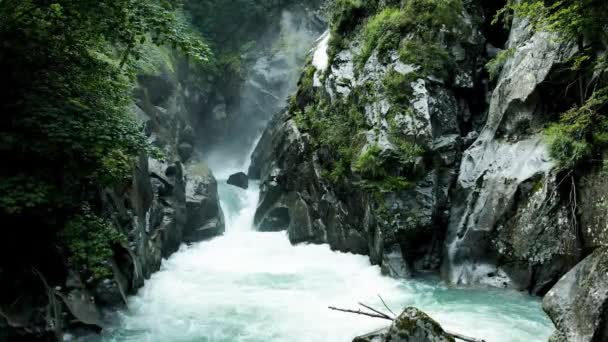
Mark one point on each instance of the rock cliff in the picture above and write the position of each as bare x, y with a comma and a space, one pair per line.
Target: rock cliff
438, 167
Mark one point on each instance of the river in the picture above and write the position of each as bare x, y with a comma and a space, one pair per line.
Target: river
248, 286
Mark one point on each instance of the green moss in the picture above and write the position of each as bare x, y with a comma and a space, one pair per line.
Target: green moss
383, 30
154, 59
421, 21
370, 164
345, 17
408, 148
430, 57
398, 87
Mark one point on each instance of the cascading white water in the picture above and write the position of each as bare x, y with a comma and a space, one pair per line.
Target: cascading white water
252, 286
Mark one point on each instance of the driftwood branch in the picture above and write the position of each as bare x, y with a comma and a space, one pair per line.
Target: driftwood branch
359, 312
376, 311
379, 314
386, 306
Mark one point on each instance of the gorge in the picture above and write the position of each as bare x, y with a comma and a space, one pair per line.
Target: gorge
445, 155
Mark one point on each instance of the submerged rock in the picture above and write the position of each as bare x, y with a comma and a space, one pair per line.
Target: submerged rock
412, 325
578, 303
239, 179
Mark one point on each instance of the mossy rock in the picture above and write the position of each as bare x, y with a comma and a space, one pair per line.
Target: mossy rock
414, 325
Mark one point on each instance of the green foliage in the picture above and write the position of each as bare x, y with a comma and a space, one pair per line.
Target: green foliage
383, 30
333, 125
422, 21
66, 128
398, 87
573, 20
408, 149
580, 131
117, 168
494, 66
389, 183
89, 240
370, 163
345, 16
22, 193
430, 57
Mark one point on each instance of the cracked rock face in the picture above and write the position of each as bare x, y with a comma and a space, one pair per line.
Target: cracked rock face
578, 303
506, 190
401, 229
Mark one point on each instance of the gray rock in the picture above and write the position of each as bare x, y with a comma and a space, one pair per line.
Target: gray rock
506, 185
239, 179
185, 151
578, 303
277, 219
204, 216
376, 336
394, 265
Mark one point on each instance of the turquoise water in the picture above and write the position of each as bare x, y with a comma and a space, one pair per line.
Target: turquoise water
248, 286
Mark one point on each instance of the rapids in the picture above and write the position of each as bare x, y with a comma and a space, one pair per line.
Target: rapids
249, 286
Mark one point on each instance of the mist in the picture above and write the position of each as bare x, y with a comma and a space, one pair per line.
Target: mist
271, 78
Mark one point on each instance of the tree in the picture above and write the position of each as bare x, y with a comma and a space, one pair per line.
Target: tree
66, 128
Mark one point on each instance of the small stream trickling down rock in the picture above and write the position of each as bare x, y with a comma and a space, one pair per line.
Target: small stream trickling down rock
253, 286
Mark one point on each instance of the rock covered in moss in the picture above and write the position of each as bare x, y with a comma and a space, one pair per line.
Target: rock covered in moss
578, 303
412, 325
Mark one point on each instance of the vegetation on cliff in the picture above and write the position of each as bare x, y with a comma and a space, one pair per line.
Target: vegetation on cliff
580, 132
415, 32
67, 129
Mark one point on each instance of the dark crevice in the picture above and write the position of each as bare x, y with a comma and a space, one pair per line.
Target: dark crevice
496, 34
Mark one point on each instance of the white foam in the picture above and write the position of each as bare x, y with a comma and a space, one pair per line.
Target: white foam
252, 286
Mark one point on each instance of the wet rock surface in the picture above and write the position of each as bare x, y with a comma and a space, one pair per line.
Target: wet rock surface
404, 227
239, 179
412, 325
578, 303
507, 187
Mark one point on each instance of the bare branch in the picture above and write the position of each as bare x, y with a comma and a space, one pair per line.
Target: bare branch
379, 314
359, 312
376, 311
386, 306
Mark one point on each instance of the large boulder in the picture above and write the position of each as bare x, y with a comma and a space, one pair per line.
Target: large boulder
239, 179
412, 325
578, 303
205, 218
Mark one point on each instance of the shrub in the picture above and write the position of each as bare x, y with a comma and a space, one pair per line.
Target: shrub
494, 66
89, 240
580, 131
370, 163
